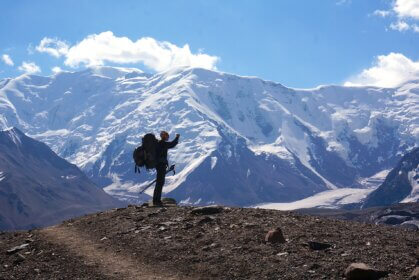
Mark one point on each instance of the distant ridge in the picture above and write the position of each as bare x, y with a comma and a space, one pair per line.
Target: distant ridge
38, 188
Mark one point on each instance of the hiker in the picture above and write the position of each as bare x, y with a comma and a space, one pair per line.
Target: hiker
162, 164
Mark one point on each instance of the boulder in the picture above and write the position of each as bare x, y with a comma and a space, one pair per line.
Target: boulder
207, 210
275, 236
361, 271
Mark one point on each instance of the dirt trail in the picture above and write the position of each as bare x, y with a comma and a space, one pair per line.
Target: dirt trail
109, 263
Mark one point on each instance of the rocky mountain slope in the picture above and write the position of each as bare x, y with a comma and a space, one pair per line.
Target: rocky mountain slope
38, 188
401, 184
206, 243
244, 140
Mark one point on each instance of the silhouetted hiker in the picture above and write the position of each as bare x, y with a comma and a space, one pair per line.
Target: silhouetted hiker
162, 164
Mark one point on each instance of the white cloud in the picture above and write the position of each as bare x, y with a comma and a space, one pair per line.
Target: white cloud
29, 68
56, 70
99, 49
53, 47
407, 8
381, 13
7, 60
400, 26
388, 71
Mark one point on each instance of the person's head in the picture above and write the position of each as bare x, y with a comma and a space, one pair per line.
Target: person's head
164, 135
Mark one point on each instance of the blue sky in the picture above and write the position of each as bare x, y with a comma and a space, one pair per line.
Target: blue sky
297, 43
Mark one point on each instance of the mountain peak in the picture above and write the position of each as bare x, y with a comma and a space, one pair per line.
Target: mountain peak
111, 71
14, 134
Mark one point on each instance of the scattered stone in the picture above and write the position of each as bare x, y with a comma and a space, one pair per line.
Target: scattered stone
145, 228
250, 225
37, 270
282, 254
103, 238
162, 228
317, 246
208, 247
275, 236
167, 224
207, 210
17, 249
415, 274
167, 237
361, 271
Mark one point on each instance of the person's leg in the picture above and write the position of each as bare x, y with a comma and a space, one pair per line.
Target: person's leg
161, 174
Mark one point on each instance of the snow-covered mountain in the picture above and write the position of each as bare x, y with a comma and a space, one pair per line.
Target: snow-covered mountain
38, 188
244, 141
400, 185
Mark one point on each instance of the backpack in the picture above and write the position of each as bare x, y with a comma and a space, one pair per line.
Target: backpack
145, 155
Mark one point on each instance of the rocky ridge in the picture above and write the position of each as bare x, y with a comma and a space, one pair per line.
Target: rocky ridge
140, 242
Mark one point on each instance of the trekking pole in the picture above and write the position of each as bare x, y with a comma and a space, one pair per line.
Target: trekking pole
172, 168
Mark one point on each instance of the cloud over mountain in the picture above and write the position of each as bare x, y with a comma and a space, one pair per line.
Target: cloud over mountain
105, 47
388, 71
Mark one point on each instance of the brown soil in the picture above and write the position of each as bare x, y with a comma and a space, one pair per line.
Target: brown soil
171, 243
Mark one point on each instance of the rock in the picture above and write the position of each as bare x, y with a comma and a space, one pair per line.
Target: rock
415, 274
207, 210
317, 246
282, 254
167, 224
17, 249
361, 271
162, 228
169, 201
275, 236
250, 225
208, 247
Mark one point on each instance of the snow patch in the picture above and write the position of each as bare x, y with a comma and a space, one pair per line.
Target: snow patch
413, 177
332, 199
213, 162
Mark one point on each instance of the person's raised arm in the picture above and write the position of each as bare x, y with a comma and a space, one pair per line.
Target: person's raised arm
173, 143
